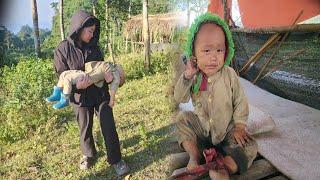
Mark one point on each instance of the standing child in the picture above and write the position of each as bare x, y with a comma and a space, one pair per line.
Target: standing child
221, 108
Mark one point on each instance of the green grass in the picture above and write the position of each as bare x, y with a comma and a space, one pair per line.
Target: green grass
143, 120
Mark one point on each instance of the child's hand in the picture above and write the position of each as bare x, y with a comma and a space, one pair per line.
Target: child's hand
111, 102
240, 134
191, 68
108, 77
84, 82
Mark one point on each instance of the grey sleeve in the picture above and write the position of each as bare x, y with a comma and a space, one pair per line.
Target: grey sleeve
182, 89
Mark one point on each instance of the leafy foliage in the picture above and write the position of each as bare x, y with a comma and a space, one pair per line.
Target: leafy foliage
23, 111
134, 67
13, 47
23, 87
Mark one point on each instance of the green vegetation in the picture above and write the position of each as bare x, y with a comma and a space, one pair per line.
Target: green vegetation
39, 142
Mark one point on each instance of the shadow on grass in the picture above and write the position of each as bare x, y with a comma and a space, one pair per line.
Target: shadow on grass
139, 160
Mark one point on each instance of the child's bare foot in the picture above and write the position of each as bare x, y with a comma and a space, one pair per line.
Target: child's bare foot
219, 174
231, 164
193, 163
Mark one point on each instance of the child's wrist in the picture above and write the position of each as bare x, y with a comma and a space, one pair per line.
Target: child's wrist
240, 126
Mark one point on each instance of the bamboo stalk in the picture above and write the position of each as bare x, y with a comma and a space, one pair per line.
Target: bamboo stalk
296, 53
294, 28
266, 45
275, 51
257, 58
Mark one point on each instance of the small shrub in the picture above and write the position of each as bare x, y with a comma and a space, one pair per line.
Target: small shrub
133, 64
23, 110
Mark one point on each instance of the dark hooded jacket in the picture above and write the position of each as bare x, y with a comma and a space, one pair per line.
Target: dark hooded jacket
68, 56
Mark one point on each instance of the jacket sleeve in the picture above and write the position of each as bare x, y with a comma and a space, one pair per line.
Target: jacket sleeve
239, 100
61, 65
182, 89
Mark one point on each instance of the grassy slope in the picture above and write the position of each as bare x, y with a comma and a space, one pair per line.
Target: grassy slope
143, 119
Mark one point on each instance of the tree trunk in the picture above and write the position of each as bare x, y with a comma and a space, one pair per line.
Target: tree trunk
35, 27
130, 4
129, 16
113, 37
188, 13
146, 35
61, 20
94, 7
106, 24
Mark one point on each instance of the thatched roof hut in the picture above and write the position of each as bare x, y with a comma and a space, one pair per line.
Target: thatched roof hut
160, 25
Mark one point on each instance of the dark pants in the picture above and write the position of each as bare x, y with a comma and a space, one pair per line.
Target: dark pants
84, 117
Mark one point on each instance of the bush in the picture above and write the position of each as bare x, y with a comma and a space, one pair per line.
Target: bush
133, 64
23, 110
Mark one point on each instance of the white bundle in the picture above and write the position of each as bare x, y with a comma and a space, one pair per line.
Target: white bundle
259, 121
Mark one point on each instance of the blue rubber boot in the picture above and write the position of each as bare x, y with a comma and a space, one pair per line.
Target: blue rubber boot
64, 101
55, 96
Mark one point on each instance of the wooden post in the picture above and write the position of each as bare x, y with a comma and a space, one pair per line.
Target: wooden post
225, 11
146, 36
132, 46
126, 44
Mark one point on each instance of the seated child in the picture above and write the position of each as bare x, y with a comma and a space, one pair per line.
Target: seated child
96, 70
221, 108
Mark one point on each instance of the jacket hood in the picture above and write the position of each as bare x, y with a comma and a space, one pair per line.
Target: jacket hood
78, 21
208, 17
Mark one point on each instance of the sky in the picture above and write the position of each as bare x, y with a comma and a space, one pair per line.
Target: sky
19, 13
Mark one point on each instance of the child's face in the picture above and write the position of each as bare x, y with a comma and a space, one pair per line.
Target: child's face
209, 48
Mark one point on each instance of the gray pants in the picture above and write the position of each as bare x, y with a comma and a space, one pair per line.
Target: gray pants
69, 78
84, 117
188, 127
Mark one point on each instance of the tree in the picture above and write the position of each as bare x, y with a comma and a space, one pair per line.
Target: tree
188, 12
27, 38
35, 27
146, 35
70, 7
61, 21
129, 11
106, 24
94, 7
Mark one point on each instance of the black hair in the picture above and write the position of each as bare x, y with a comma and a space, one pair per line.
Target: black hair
90, 22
